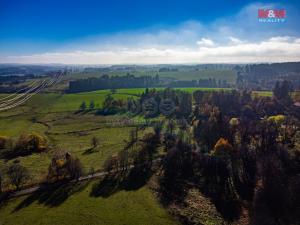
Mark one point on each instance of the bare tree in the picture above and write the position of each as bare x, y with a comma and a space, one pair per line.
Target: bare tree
92, 171
74, 167
111, 163
123, 159
95, 142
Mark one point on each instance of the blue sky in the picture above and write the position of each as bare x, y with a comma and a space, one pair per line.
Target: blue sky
111, 31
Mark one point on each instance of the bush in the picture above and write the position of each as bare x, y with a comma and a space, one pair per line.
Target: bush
56, 169
3, 141
30, 143
17, 174
83, 106
95, 142
64, 166
278, 119
234, 122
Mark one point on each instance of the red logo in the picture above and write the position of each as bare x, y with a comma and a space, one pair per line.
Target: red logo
271, 13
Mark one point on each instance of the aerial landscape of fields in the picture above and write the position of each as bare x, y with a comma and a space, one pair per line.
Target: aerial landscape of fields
111, 116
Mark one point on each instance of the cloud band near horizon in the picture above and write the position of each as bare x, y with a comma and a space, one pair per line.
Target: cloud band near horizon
236, 39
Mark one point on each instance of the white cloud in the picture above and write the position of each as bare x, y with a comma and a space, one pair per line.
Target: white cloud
205, 42
280, 39
275, 49
236, 39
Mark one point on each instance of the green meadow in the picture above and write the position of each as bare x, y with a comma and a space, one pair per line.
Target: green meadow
77, 205
220, 74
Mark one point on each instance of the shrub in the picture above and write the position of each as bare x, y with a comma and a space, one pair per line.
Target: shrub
95, 142
234, 122
92, 105
3, 141
56, 169
17, 174
83, 106
278, 119
30, 143
64, 166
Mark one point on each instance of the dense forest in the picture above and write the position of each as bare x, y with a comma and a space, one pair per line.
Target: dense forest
241, 151
264, 76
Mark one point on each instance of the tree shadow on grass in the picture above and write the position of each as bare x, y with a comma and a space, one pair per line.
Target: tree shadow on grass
133, 179
81, 112
89, 151
172, 192
8, 154
109, 185
4, 197
225, 201
228, 206
53, 195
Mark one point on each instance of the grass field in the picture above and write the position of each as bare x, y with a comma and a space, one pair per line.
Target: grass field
263, 93
50, 102
70, 133
53, 115
76, 205
223, 74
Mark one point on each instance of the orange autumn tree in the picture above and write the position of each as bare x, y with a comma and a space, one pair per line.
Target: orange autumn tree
31, 143
222, 149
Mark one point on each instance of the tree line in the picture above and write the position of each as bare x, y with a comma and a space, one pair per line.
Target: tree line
131, 81
265, 76
113, 82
